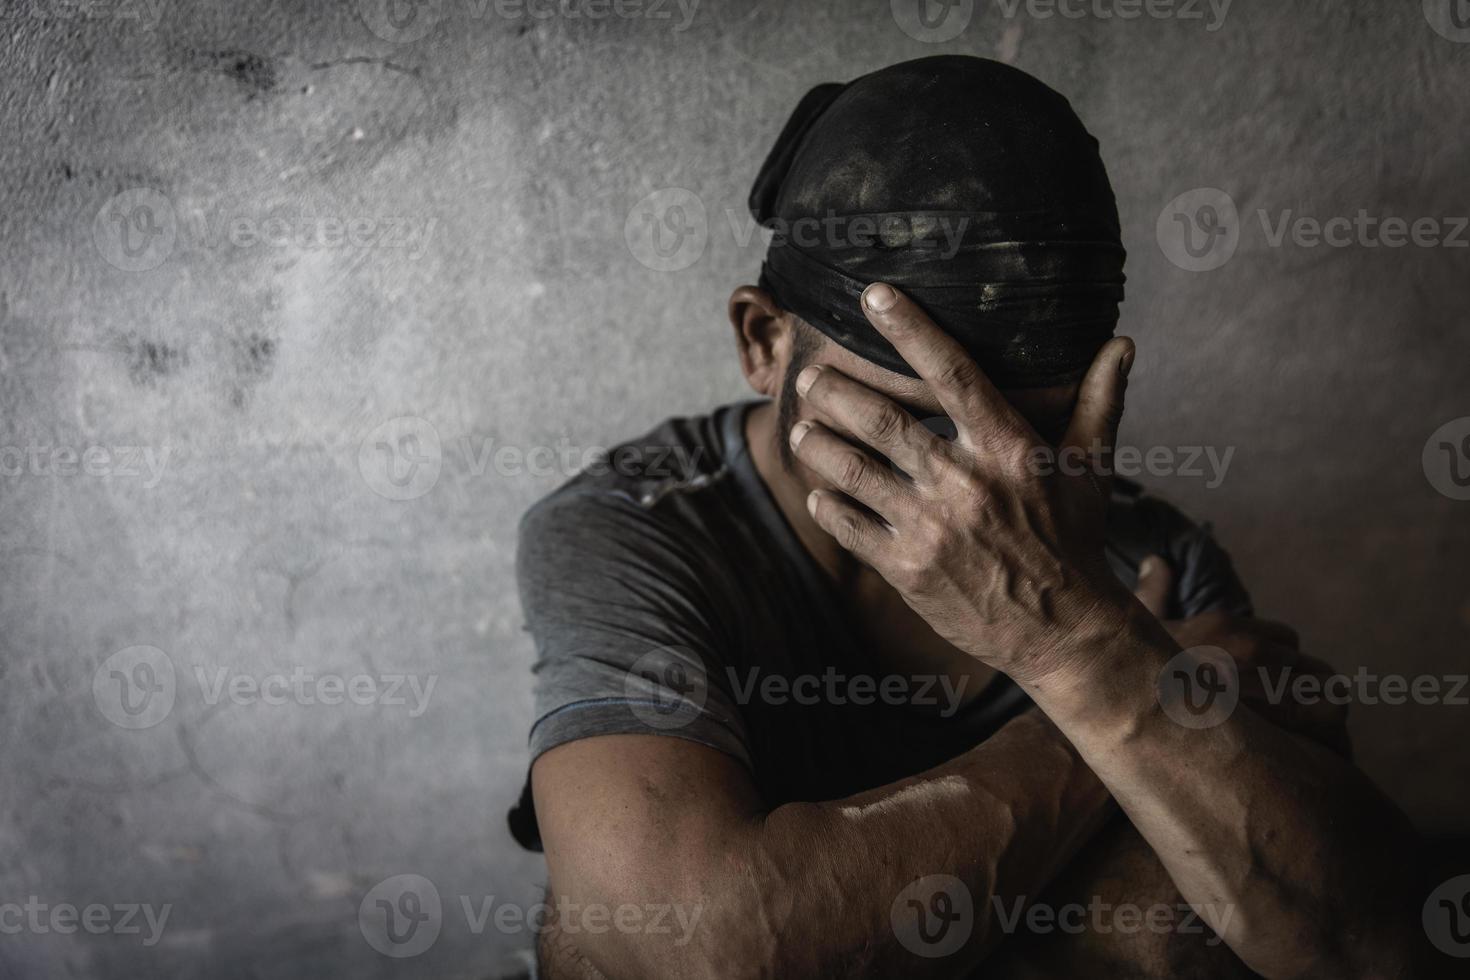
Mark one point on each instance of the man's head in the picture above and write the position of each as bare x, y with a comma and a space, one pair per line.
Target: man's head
775, 345
969, 185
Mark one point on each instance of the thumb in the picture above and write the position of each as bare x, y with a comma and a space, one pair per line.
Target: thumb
1155, 583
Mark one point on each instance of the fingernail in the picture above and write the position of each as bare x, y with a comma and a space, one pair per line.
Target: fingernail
1125, 363
811, 503
806, 377
879, 297
799, 430
1147, 566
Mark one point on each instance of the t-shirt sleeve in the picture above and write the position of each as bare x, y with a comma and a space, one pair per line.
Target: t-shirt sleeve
628, 637
1205, 579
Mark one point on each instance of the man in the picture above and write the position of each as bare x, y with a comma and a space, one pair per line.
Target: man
736, 620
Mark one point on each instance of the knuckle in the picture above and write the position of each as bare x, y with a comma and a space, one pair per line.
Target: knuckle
852, 471
884, 423
958, 373
849, 531
909, 573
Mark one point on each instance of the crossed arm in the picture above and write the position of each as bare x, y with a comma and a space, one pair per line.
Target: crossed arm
1285, 849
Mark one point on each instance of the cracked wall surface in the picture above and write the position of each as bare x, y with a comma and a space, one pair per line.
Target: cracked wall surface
291, 293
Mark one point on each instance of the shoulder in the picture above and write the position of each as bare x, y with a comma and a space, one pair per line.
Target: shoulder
641, 494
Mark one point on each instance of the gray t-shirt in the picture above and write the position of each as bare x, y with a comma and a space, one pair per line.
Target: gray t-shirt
667, 594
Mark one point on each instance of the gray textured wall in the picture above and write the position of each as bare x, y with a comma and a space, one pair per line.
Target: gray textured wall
193, 421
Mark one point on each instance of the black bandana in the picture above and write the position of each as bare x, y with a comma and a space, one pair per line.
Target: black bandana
968, 184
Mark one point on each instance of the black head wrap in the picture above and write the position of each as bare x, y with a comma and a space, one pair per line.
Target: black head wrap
968, 184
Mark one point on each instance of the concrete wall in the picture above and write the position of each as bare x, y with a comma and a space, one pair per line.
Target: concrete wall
197, 497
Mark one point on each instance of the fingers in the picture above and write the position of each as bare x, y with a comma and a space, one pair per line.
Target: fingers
849, 469
1094, 425
1155, 585
854, 530
965, 393
869, 417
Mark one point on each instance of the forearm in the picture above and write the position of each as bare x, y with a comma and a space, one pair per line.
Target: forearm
810, 889
1288, 852
1003, 819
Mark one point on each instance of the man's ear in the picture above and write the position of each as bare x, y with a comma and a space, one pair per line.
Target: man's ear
763, 337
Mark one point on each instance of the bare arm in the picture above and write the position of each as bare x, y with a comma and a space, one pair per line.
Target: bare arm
806, 889
1288, 851
1284, 848
1133, 920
